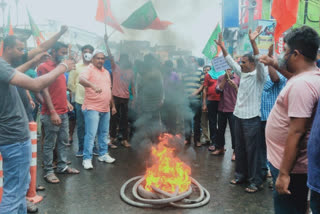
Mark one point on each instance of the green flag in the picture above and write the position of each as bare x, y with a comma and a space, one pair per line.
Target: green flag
145, 18
211, 50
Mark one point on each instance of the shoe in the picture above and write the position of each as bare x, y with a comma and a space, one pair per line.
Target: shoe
31, 207
125, 144
106, 158
79, 154
95, 153
87, 164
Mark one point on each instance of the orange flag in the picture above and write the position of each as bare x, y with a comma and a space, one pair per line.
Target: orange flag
104, 15
285, 12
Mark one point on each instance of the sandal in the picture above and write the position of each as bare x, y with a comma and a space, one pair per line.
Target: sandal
212, 148
52, 179
198, 144
218, 152
69, 170
252, 188
236, 181
40, 188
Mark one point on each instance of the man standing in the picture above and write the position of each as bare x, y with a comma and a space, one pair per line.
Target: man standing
79, 91
289, 123
204, 116
54, 117
274, 84
15, 143
122, 78
247, 115
193, 86
96, 109
227, 87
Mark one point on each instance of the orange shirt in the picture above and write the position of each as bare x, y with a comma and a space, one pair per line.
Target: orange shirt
92, 100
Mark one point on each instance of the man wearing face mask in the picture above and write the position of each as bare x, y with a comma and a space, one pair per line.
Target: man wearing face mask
79, 91
247, 114
54, 117
289, 123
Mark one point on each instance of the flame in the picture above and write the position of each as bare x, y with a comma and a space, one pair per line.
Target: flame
167, 172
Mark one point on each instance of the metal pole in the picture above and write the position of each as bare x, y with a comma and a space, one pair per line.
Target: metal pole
306, 4
251, 13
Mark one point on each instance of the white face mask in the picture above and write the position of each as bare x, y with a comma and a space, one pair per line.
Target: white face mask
87, 57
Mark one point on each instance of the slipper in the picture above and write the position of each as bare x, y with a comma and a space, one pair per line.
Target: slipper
236, 181
40, 188
218, 152
198, 144
52, 179
252, 188
212, 148
69, 171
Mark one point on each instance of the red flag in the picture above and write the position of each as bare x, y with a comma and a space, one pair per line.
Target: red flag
104, 15
285, 12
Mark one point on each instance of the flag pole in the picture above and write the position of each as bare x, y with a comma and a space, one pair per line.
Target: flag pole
112, 33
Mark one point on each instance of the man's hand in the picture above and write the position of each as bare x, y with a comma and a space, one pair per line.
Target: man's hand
33, 105
219, 42
204, 108
55, 119
40, 58
70, 63
97, 89
270, 51
113, 110
63, 29
267, 60
255, 34
70, 107
282, 184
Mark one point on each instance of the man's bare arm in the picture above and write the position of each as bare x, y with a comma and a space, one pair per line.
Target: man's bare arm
47, 44
33, 62
113, 64
39, 83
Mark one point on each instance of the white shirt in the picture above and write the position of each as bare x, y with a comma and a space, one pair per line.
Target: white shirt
250, 90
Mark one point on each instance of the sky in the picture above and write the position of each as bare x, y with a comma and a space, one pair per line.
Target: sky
194, 20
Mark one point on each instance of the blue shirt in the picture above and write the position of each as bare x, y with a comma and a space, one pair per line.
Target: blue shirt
269, 96
314, 154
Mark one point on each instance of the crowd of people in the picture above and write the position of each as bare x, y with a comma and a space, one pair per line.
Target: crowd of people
270, 105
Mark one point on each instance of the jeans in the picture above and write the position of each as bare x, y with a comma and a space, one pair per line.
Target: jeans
297, 202
120, 118
263, 156
195, 107
212, 116
315, 202
80, 127
55, 136
223, 118
16, 165
96, 122
247, 142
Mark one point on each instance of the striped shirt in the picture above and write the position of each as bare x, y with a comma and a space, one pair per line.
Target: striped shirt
192, 81
269, 96
250, 90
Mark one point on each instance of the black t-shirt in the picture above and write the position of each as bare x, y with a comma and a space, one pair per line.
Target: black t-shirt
13, 118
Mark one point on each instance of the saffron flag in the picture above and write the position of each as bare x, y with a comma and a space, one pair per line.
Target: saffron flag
37, 35
104, 15
211, 50
145, 18
285, 12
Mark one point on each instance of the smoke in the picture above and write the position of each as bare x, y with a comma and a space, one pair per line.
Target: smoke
161, 107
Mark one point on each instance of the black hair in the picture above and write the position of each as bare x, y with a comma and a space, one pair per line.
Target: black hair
304, 39
10, 41
180, 63
207, 66
200, 62
249, 56
58, 45
168, 64
87, 47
